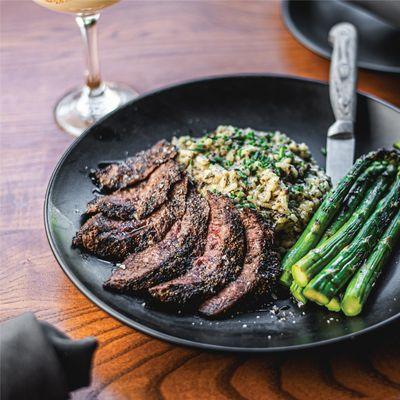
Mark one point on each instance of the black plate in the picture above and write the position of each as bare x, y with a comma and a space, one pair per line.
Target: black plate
296, 106
310, 22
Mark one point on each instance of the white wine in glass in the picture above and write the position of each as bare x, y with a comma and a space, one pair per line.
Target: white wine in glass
81, 107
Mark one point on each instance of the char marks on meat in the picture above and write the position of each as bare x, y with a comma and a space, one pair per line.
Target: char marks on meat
115, 240
119, 205
168, 258
260, 268
174, 243
142, 199
108, 238
157, 188
134, 169
220, 263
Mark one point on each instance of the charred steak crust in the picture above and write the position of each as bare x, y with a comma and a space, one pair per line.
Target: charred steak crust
119, 205
142, 199
260, 268
158, 186
220, 263
134, 169
107, 238
176, 244
168, 258
115, 240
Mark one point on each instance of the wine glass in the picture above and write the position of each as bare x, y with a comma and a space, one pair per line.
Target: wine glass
83, 106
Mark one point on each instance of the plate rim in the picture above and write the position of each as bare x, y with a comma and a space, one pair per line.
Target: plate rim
153, 332
310, 45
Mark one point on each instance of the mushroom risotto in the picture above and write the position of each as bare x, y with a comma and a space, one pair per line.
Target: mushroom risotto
266, 171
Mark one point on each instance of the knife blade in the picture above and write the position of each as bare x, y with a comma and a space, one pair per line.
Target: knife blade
342, 92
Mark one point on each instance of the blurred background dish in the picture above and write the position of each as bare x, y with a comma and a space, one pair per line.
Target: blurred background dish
310, 22
386, 10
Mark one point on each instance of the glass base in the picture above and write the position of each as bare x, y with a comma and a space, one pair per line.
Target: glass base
82, 107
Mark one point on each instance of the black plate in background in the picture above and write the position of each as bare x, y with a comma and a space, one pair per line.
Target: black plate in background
310, 22
296, 106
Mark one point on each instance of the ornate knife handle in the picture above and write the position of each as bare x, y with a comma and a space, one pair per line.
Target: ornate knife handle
343, 79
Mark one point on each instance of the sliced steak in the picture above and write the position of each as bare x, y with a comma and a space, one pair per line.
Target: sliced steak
115, 240
168, 258
134, 169
157, 188
120, 205
220, 263
142, 199
260, 269
108, 238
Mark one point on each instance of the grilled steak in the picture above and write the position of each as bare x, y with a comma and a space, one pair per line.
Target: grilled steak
220, 263
113, 239
260, 268
108, 238
134, 169
155, 192
142, 199
119, 205
168, 258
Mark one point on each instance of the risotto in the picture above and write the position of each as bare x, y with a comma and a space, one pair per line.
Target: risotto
266, 171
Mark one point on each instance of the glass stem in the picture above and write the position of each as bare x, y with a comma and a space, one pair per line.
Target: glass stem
88, 26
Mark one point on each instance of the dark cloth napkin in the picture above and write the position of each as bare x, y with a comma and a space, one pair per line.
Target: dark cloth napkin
40, 362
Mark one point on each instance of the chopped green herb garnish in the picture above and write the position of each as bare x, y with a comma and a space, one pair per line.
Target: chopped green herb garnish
200, 148
228, 163
251, 159
241, 174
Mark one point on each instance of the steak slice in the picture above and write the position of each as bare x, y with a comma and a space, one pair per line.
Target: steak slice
134, 169
260, 269
142, 199
108, 238
168, 258
115, 240
120, 205
158, 186
220, 263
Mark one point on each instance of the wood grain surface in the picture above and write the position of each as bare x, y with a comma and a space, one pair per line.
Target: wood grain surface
150, 44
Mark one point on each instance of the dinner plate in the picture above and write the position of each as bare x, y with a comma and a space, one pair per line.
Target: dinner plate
295, 106
310, 22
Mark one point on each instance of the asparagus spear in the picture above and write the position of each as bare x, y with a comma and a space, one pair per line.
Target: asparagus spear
313, 262
334, 304
297, 292
354, 198
323, 216
363, 281
336, 274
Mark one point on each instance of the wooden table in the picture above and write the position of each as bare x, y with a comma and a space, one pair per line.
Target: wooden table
150, 44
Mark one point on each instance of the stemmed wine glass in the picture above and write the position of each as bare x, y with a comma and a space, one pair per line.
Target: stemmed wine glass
83, 106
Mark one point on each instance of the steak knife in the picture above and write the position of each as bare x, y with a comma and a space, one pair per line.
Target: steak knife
342, 92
